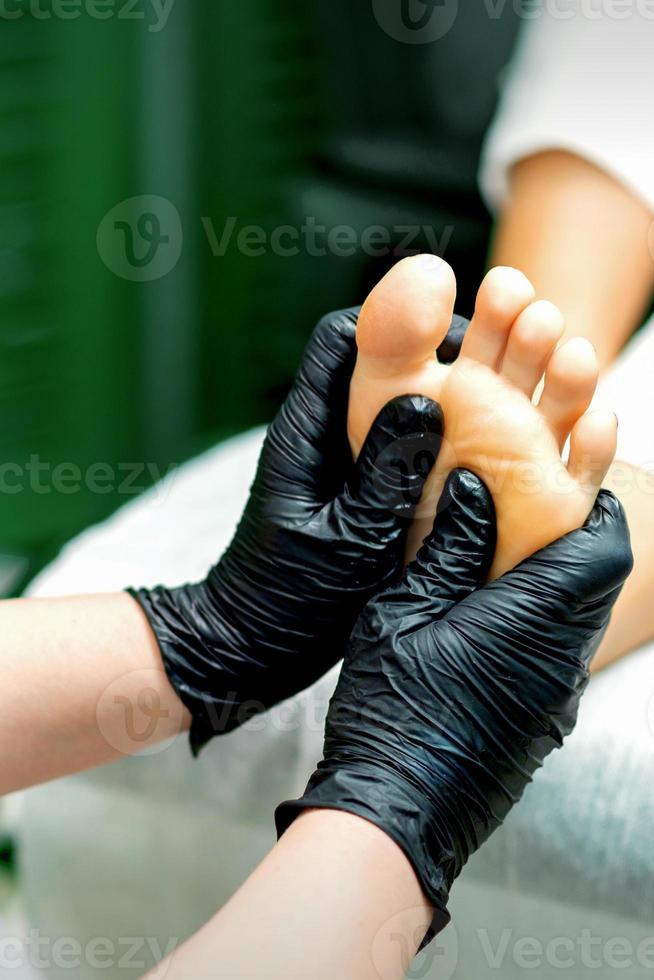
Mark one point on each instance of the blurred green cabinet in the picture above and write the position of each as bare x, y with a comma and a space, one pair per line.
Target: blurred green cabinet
259, 124
259, 114
214, 113
66, 330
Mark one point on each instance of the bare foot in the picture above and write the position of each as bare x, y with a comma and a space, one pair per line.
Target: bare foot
491, 425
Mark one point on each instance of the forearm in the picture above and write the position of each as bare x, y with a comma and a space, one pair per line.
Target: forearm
335, 897
82, 684
581, 237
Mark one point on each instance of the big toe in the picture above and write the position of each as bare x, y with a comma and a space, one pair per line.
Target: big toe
408, 313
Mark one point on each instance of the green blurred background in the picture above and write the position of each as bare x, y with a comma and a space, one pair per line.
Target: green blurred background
265, 112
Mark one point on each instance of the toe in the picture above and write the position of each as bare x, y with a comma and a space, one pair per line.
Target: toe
570, 382
592, 447
532, 339
407, 314
503, 295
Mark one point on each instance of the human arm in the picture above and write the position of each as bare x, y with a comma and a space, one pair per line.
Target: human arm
85, 680
82, 685
584, 240
318, 537
450, 697
335, 897
567, 168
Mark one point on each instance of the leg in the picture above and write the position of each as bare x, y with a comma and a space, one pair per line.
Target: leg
552, 228
632, 620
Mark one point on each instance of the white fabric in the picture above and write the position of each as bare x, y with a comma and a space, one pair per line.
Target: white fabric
581, 80
151, 846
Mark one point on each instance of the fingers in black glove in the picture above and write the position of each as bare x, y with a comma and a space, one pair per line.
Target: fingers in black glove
450, 347
439, 721
456, 558
387, 480
319, 536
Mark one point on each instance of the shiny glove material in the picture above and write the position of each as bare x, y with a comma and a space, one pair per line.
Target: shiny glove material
450, 347
318, 538
452, 694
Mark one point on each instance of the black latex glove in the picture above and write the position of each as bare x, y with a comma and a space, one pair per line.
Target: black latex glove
318, 538
452, 695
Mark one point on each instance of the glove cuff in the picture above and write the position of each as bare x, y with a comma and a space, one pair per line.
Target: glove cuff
188, 670
392, 806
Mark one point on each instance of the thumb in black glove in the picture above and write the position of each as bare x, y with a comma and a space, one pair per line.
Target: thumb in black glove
319, 536
452, 694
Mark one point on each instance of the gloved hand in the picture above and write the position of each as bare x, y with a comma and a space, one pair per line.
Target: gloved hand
318, 538
451, 694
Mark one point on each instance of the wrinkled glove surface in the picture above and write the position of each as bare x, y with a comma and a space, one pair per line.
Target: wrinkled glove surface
319, 536
453, 692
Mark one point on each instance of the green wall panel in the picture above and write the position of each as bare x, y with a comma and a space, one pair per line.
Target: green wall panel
65, 330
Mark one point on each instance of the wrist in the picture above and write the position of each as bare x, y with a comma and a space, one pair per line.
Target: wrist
190, 630
374, 878
393, 807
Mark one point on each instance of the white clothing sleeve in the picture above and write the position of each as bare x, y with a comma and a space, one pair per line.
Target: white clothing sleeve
582, 80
